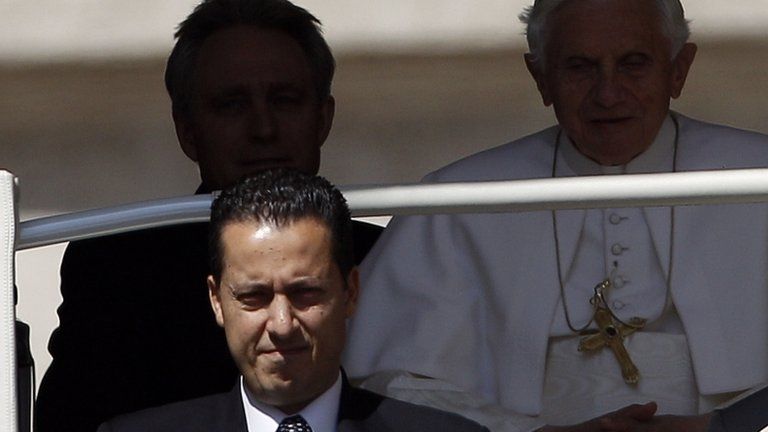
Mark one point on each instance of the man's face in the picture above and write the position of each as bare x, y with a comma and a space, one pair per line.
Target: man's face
283, 301
608, 72
254, 106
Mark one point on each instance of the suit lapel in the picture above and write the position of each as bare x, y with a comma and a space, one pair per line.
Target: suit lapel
357, 409
233, 419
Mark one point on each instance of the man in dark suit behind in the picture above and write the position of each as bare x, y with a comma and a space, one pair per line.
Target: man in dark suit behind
250, 85
283, 283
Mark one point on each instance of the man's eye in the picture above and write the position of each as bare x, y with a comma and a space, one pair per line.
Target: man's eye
307, 296
634, 63
254, 299
579, 68
231, 106
286, 99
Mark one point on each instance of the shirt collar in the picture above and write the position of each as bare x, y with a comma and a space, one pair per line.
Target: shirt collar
657, 158
321, 414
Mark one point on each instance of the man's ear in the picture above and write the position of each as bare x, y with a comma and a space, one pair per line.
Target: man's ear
353, 291
214, 294
534, 68
185, 134
327, 111
681, 64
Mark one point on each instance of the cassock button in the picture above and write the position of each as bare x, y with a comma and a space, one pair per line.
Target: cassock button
617, 249
619, 281
614, 218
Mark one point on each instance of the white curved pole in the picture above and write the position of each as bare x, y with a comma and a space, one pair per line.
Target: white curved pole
8, 218
112, 220
635, 190
630, 190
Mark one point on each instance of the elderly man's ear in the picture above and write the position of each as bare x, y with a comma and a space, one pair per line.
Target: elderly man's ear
681, 64
533, 68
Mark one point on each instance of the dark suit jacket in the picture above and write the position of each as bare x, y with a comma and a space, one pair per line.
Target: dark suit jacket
136, 327
359, 410
747, 415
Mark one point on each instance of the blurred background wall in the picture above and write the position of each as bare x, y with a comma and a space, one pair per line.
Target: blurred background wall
85, 121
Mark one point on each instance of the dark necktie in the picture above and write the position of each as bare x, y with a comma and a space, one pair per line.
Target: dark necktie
294, 424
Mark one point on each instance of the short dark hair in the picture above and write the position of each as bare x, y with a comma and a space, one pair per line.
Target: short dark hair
281, 196
211, 16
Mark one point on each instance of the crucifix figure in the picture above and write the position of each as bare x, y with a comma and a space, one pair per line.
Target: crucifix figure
611, 333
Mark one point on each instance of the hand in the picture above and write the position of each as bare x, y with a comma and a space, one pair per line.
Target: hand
627, 419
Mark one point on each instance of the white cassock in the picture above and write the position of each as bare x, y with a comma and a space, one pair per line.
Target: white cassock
475, 301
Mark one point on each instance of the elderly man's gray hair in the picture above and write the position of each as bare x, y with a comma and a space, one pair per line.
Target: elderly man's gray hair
671, 12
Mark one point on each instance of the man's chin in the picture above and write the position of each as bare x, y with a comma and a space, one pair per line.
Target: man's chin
288, 395
614, 158
261, 165
614, 147
611, 150
272, 386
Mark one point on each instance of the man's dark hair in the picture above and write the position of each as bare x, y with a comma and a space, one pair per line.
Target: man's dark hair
211, 16
279, 197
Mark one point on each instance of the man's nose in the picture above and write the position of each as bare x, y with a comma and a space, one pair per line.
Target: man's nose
608, 89
263, 124
281, 320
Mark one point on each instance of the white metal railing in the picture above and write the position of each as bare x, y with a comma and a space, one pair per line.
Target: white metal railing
635, 190
8, 223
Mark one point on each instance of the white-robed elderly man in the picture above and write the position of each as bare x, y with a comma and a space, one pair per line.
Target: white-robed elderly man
579, 319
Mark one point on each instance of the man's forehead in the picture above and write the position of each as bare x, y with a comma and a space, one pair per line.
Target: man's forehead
301, 245
249, 88
259, 228
597, 27
247, 55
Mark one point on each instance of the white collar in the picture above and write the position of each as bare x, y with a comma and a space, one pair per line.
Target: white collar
321, 414
656, 158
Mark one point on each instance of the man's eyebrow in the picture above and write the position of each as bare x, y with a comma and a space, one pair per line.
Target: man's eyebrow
307, 281
247, 288
580, 57
286, 85
635, 54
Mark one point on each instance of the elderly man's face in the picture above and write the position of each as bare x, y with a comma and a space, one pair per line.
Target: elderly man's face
608, 72
283, 301
254, 106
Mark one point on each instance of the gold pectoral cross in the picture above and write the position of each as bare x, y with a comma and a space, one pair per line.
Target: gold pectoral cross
611, 333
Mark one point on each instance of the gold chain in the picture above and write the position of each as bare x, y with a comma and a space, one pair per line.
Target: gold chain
605, 284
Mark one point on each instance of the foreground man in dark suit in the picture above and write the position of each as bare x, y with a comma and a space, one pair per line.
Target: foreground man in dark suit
283, 284
250, 84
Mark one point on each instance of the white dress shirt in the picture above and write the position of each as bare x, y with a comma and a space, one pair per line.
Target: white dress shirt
321, 414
